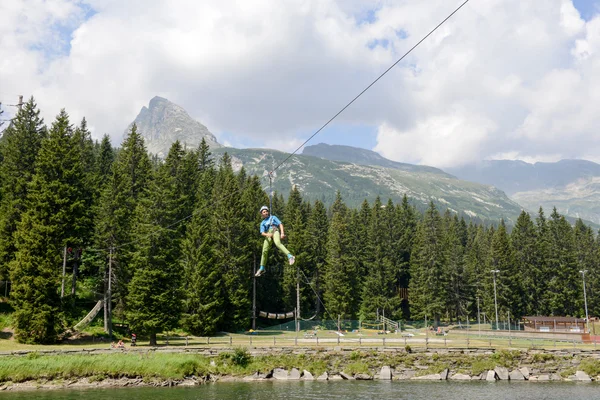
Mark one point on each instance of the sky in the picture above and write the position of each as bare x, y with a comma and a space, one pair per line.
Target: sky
502, 79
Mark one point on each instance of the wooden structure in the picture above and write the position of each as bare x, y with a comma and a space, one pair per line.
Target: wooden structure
554, 324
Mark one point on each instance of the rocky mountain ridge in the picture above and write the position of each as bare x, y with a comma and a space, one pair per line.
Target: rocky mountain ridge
164, 122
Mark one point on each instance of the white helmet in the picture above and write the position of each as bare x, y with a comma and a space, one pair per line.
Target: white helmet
264, 208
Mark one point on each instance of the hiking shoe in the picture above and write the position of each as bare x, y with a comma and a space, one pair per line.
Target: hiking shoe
292, 260
260, 271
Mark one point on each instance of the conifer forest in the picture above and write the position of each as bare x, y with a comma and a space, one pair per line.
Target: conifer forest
182, 239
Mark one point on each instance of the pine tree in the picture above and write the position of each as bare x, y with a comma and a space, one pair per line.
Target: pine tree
338, 291
563, 280
506, 293
125, 187
587, 262
476, 268
429, 280
294, 225
55, 209
155, 294
316, 241
406, 223
235, 264
543, 246
203, 280
19, 147
527, 262
457, 283
379, 288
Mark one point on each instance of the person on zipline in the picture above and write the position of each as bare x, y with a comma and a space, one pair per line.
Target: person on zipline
270, 228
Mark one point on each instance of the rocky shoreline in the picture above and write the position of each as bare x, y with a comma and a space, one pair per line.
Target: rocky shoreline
504, 365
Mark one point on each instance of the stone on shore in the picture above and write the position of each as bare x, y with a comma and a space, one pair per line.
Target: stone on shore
323, 377
525, 371
306, 375
460, 377
502, 373
491, 376
363, 377
516, 375
280, 374
431, 377
294, 374
444, 374
346, 376
385, 374
581, 377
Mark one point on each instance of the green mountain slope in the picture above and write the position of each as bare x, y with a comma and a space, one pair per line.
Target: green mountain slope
318, 178
360, 156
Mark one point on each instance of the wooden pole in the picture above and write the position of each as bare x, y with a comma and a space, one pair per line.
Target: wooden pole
254, 295
64, 272
109, 302
297, 299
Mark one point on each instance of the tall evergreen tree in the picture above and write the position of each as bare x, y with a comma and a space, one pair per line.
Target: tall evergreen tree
205, 295
406, 222
527, 262
506, 292
458, 300
155, 293
294, 224
316, 241
229, 240
587, 262
543, 246
338, 291
55, 209
429, 278
127, 185
563, 281
19, 147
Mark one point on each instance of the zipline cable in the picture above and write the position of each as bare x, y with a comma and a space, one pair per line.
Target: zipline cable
312, 136
369, 86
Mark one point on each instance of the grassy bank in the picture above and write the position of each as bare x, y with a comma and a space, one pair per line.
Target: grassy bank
238, 363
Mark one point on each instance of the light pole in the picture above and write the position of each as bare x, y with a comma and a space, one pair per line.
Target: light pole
587, 322
494, 272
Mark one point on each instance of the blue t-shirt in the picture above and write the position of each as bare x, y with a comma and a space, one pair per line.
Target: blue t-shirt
269, 222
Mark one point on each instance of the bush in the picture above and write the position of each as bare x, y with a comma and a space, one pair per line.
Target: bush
241, 357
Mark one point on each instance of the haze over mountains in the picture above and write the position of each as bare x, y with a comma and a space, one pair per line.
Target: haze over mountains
476, 191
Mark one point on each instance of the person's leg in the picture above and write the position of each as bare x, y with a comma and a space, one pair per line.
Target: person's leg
263, 257
280, 246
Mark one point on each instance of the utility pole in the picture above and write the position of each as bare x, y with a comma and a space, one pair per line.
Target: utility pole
254, 295
298, 298
20, 103
64, 272
494, 272
478, 317
109, 303
587, 321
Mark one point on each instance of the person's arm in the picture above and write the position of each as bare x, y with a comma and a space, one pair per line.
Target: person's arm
281, 230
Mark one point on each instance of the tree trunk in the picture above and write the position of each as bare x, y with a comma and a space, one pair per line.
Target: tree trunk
153, 339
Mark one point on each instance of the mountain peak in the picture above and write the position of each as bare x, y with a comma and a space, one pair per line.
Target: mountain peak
163, 122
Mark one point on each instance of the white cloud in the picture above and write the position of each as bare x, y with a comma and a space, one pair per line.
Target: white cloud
501, 77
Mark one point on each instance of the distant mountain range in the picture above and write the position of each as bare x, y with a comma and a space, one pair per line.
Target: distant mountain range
572, 186
319, 178
475, 191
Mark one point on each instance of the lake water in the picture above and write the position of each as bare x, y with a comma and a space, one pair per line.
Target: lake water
354, 390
